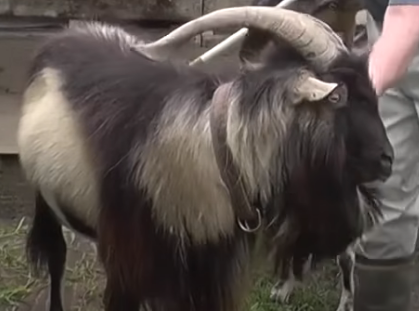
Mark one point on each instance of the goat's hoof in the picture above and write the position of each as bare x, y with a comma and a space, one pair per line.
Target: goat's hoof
280, 294
346, 306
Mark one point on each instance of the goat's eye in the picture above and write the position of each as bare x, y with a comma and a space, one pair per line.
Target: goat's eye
334, 98
333, 5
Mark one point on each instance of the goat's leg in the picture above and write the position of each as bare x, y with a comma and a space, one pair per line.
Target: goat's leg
301, 267
346, 262
292, 272
116, 298
45, 246
284, 287
123, 268
121, 293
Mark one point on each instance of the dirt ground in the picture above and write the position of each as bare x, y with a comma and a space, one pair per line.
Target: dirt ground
22, 291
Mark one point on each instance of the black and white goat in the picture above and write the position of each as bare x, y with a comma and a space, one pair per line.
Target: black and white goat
170, 169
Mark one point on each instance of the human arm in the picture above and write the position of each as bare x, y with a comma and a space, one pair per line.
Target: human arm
394, 50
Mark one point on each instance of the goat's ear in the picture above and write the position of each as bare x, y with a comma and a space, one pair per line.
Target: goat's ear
221, 99
246, 65
314, 90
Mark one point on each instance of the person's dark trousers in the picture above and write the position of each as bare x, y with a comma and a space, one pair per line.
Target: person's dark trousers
383, 284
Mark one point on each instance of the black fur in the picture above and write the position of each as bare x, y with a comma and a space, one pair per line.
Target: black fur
256, 40
46, 248
119, 96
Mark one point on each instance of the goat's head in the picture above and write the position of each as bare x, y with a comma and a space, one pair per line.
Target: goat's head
334, 143
370, 154
305, 130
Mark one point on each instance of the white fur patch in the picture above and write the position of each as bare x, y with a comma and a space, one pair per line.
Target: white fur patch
179, 172
52, 151
255, 145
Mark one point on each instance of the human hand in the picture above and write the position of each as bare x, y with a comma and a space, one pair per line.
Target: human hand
385, 67
392, 53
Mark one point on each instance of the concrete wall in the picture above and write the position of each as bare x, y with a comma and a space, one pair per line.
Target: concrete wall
16, 196
16, 49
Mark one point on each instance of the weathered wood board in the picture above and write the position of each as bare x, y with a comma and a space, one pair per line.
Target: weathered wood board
168, 10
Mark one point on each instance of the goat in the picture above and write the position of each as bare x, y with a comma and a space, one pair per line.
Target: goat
340, 16
173, 171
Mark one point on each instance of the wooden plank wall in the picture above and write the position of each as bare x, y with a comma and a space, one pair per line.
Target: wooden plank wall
168, 10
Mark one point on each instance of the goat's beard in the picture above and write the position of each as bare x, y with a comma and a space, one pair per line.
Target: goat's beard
370, 207
287, 238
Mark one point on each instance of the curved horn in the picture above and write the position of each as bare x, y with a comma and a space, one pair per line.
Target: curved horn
314, 39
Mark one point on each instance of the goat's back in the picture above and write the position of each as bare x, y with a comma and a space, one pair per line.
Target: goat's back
95, 105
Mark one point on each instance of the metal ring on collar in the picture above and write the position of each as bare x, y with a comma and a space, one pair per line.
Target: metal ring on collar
245, 226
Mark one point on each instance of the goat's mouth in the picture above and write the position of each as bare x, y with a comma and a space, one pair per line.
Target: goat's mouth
381, 176
371, 178
384, 176
383, 172
371, 172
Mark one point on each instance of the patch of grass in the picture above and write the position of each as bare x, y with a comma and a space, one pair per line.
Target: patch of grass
83, 274
16, 281
85, 279
89, 280
319, 292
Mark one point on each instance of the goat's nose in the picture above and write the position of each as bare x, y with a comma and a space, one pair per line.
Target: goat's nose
386, 165
388, 152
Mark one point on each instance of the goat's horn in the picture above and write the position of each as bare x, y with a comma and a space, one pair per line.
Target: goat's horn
314, 39
312, 89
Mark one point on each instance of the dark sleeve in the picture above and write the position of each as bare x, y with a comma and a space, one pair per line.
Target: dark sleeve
403, 2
